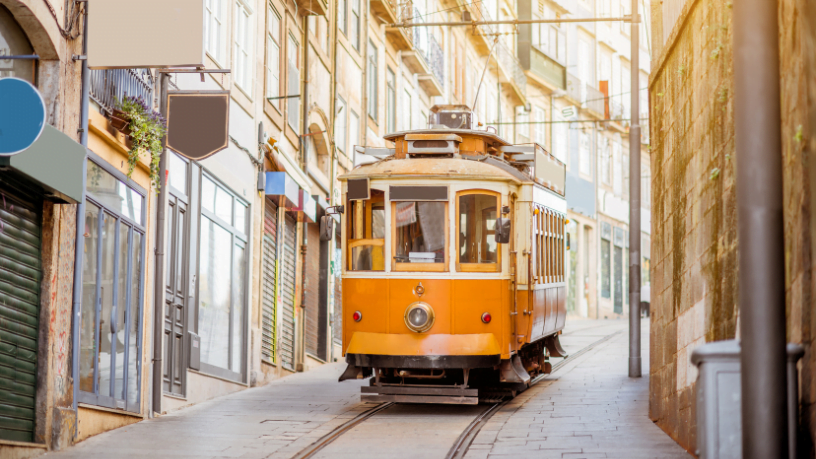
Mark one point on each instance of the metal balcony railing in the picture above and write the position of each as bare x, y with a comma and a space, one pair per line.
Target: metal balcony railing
427, 46
405, 13
508, 60
595, 100
108, 86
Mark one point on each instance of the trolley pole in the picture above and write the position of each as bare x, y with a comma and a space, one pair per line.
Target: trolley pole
758, 137
634, 200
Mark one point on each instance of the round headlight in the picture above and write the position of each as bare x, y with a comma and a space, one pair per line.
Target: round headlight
419, 317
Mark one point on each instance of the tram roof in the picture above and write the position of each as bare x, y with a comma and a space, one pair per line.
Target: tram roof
468, 132
474, 168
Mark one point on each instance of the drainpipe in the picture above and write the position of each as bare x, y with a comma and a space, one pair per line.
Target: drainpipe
635, 366
158, 293
304, 94
760, 230
76, 307
332, 168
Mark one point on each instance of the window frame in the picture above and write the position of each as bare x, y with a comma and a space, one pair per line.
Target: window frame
293, 67
419, 267
373, 80
242, 41
94, 398
494, 267
217, 55
271, 40
368, 238
390, 100
341, 129
237, 236
356, 15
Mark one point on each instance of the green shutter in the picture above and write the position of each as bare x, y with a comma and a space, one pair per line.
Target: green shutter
20, 276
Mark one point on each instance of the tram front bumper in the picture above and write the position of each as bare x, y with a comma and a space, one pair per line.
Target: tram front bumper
423, 351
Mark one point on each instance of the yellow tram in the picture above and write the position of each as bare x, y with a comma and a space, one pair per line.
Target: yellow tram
453, 280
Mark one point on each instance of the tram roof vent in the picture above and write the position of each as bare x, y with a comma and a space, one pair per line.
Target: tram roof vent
450, 117
433, 144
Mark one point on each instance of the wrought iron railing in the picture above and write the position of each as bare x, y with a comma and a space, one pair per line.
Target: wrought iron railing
405, 13
108, 86
507, 59
427, 46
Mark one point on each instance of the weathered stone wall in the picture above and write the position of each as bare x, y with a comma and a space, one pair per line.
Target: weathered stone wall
694, 231
694, 244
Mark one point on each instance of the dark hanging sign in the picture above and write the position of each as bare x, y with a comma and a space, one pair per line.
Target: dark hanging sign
197, 122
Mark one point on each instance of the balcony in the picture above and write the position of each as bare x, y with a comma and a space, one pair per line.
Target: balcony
108, 86
548, 69
318, 7
403, 37
514, 76
386, 9
574, 89
595, 102
426, 60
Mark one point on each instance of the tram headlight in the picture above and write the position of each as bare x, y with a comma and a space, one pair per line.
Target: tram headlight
419, 317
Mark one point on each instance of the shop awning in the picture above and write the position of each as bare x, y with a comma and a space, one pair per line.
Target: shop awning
283, 190
55, 161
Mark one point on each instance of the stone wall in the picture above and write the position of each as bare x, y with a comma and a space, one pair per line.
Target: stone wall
694, 226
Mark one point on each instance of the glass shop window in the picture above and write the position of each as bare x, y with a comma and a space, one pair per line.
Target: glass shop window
366, 233
420, 235
476, 225
112, 292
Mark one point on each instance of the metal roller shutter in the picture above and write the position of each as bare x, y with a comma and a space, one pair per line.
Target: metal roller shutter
20, 276
337, 320
287, 342
311, 281
270, 280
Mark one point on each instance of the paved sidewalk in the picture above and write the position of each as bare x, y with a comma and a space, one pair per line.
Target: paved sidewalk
590, 408
274, 421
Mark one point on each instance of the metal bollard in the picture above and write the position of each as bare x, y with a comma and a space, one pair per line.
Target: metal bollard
718, 393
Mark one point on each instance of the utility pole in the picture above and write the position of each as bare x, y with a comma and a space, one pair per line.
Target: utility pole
634, 199
758, 137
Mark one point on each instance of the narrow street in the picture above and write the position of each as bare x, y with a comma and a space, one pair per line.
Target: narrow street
586, 408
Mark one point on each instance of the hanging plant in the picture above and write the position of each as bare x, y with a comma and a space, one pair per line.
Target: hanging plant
147, 129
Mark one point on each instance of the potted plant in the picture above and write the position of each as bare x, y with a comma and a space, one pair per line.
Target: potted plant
120, 120
147, 129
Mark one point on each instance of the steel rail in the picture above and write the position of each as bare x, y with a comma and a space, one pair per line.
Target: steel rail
462, 444
325, 440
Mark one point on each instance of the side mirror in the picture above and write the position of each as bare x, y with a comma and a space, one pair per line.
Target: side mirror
502, 230
568, 241
335, 210
326, 228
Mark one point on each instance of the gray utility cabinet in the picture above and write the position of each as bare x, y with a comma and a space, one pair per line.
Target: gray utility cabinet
718, 391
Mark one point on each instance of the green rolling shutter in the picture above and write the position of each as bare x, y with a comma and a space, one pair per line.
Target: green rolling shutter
20, 276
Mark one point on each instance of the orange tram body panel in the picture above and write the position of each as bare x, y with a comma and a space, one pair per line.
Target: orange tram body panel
453, 280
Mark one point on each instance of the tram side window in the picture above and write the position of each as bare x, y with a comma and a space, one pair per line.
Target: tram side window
420, 232
366, 233
477, 228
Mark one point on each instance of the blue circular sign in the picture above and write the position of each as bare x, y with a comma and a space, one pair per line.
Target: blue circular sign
22, 115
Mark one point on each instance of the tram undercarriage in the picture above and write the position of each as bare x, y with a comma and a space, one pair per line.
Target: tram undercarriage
451, 379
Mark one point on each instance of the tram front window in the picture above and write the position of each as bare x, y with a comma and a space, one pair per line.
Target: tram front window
477, 228
420, 232
367, 233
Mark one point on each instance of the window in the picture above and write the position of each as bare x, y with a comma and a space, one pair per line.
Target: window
407, 111
354, 37
293, 115
373, 86
419, 237
476, 228
522, 125
390, 101
617, 175
549, 246
366, 229
113, 281
354, 134
585, 158
342, 12
273, 57
243, 47
560, 138
584, 61
222, 281
605, 152
540, 128
341, 115
213, 29
606, 287
14, 42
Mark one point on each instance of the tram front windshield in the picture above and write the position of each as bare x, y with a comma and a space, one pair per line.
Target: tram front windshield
420, 232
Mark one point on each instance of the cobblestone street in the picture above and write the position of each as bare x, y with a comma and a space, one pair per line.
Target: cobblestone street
588, 408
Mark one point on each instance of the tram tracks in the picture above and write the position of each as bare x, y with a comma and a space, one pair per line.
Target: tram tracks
468, 435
